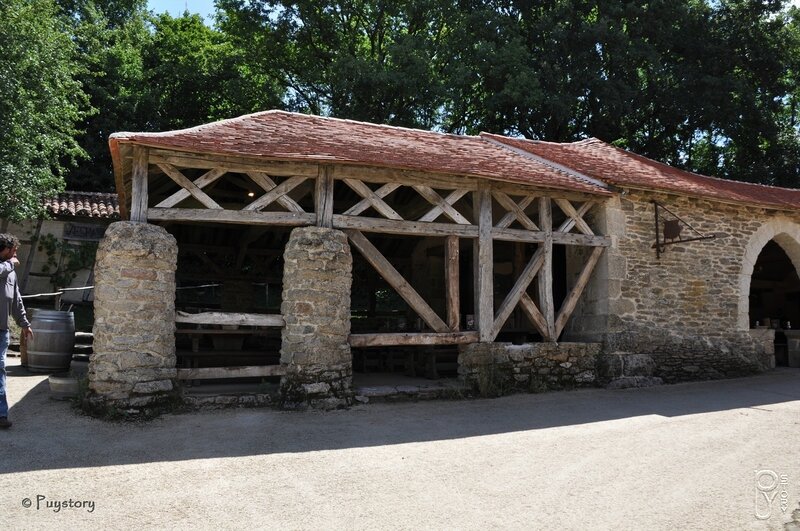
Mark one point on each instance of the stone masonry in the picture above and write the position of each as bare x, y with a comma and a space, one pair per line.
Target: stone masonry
133, 364
316, 308
494, 369
688, 309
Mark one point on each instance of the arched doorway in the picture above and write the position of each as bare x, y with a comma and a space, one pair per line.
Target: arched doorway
769, 282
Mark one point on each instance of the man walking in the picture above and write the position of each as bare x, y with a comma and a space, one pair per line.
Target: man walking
10, 304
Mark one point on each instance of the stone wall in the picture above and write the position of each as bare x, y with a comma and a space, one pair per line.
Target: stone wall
316, 307
133, 364
495, 369
688, 308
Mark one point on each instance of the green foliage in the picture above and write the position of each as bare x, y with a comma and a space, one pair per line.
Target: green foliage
65, 260
41, 102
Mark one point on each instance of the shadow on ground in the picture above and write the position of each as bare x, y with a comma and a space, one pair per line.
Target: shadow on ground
50, 434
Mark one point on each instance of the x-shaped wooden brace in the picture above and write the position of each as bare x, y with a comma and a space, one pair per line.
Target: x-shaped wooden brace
264, 181
275, 193
372, 199
441, 204
574, 217
515, 211
189, 188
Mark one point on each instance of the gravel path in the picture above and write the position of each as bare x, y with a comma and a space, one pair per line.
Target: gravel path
690, 456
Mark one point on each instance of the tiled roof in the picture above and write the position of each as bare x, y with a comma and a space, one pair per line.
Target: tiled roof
595, 158
85, 204
279, 135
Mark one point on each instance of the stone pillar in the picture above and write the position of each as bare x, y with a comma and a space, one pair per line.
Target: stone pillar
316, 307
133, 364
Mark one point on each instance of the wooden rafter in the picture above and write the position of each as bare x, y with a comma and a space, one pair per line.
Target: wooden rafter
396, 280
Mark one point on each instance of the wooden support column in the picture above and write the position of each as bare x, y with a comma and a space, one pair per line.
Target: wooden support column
451, 276
139, 185
546, 273
324, 197
484, 265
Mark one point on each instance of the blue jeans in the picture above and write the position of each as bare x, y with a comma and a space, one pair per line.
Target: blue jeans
3, 349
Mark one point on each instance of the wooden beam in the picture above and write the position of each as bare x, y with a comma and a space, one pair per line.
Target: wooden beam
207, 373
267, 184
204, 180
452, 282
404, 228
323, 197
237, 217
396, 280
575, 294
234, 164
534, 315
367, 202
513, 297
570, 211
451, 199
409, 339
515, 211
373, 199
139, 183
228, 318
545, 285
182, 181
283, 188
484, 272
430, 195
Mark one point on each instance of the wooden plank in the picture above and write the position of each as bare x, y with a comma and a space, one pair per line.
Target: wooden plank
406, 228
208, 373
373, 174
374, 200
365, 203
267, 184
283, 188
408, 339
452, 282
237, 217
228, 318
484, 296
545, 284
430, 195
323, 197
204, 180
511, 300
574, 295
451, 199
518, 211
562, 238
509, 218
396, 280
534, 315
175, 174
139, 183
570, 211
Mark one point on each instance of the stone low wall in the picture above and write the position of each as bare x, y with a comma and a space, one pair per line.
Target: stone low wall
494, 369
680, 357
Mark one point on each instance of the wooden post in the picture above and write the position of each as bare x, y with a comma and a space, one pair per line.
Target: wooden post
139, 185
546, 273
519, 266
323, 197
484, 265
451, 276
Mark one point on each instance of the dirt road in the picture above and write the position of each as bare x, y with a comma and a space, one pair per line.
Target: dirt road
716, 455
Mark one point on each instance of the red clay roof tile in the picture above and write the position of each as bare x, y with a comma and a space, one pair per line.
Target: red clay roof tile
84, 204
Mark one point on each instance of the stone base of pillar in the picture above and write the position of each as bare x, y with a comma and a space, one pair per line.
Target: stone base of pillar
317, 387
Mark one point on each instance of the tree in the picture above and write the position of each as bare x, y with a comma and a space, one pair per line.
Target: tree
41, 101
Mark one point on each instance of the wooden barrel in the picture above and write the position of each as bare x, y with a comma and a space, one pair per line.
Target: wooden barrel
50, 350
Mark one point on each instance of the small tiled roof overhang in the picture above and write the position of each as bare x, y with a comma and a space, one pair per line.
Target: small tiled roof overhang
84, 204
285, 136
615, 166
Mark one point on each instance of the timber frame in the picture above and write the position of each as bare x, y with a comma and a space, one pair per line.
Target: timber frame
167, 186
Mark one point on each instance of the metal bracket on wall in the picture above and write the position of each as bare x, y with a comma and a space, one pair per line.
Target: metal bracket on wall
671, 229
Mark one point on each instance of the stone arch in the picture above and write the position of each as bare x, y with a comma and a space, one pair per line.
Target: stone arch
785, 233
